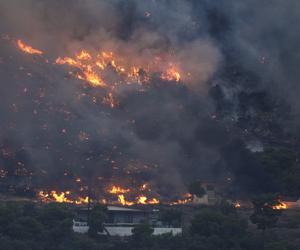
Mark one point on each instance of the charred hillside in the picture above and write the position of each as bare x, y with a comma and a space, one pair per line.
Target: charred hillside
148, 97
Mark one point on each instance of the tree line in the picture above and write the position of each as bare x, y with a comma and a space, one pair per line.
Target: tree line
29, 226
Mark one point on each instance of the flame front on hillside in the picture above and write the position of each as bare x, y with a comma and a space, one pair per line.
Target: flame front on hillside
66, 197
280, 206
118, 190
187, 198
109, 71
93, 68
61, 197
28, 49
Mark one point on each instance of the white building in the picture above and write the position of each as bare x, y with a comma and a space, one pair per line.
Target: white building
122, 220
209, 198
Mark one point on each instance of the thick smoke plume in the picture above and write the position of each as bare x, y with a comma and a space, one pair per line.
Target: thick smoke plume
236, 62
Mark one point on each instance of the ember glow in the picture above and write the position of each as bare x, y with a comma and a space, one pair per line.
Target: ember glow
108, 71
86, 71
133, 102
187, 198
144, 200
118, 190
92, 69
280, 206
116, 195
237, 205
172, 74
61, 197
110, 100
123, 201
140, 199
28, 49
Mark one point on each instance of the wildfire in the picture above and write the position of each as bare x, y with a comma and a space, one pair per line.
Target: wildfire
92, 68
82, 200
110, 100
171, 74
153, 201
140, 199
145, 187
122, 201
237, 205
61, 197
86, 71
28, 49
144, 200
108, 70
280, 206
187, 198
118, 190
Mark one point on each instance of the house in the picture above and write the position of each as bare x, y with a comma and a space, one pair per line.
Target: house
210, 197
121, 221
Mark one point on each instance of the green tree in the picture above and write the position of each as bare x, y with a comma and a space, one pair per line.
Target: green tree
53, 214
97, 217
142, 235
57, 223
281, 164
264, 216
218, 228
142, 230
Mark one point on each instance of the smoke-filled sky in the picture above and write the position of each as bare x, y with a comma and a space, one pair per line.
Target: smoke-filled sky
238, 60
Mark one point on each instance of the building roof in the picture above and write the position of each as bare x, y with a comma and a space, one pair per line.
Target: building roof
125, 209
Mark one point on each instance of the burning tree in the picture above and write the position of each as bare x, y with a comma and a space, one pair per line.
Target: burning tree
265, 213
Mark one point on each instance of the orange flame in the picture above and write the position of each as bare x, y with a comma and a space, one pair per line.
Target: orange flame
86, 73
110, 100
145, 187
237, 205
65, 197
171, 74
92, 68
153, 201
28, 49
84, 55
280, 206
61, 197
118, 190
142, 199
122, 200
82, 200
187, 198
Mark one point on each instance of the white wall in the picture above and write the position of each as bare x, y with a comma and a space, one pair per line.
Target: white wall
82, 227
127, 231
174, 231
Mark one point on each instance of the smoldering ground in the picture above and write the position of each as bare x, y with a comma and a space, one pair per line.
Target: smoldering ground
171, 134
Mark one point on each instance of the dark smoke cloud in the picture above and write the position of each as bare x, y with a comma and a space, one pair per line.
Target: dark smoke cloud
263, 39
242, 57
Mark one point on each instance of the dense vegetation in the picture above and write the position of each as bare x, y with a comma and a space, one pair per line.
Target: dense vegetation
49, 227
